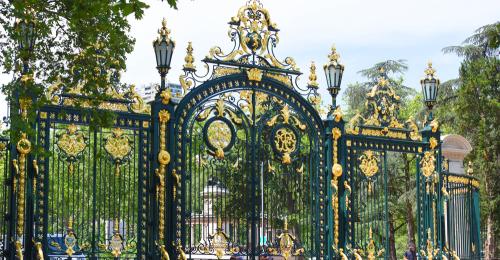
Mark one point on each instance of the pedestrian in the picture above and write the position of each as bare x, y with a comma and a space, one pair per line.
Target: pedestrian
411, 253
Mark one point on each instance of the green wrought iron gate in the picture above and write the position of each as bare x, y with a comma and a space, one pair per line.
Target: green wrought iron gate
236, 162
91, 194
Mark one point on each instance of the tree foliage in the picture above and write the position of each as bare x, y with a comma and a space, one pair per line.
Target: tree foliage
472, 102
81, 43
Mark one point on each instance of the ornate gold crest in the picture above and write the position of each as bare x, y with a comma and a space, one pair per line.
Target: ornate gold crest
427, 164
285, 142
368, 163
118, 146
72, 143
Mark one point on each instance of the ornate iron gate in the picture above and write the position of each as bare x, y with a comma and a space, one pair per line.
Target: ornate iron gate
360, 177
238, 163
249, 152
91, 194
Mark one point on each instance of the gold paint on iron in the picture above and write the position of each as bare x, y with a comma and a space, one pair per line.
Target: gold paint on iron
163, 160
254, 74
433, 143
219, 136
116, 242
24, 105
285, 142
427, 164
431, 252
219, 240
118, 147
287, 242
368, 163
336, 174
189, 59
39, 251
166, 95
72, 144
70, 238
313, 83
337, 114
24, 148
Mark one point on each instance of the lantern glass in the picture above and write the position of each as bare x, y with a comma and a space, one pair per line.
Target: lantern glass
27, 35
163, 51
333, 73
430, 91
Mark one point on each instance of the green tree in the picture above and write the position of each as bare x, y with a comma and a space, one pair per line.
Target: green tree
77, 42
473, 103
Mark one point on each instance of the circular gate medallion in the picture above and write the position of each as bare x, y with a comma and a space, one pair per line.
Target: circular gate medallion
285, 142
219, 136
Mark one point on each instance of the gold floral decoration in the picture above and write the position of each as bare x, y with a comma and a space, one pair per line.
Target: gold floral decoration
427, 164
118, 146
72, 143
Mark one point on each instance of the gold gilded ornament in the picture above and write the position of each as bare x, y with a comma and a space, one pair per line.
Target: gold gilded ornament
72, 143
166, 95
254, 74
433, 143
189, 59
219, 136
313, 83
118, 146
369, 163
427, 164
285, 142
219, 240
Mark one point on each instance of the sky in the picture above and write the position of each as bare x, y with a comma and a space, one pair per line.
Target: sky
364, 32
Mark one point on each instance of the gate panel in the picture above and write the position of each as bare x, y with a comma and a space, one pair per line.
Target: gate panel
369, 219
91, 199
251, 177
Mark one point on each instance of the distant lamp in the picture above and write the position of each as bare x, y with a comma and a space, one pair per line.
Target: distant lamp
164, 48
333, 71
430, 86
26, 30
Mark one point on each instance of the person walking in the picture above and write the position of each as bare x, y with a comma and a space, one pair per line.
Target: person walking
411, 253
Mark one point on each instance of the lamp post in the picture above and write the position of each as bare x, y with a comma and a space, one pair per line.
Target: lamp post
26, 36
164, 48
430, 88
333, 72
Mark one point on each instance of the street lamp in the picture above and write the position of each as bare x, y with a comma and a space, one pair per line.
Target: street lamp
430, 87
333, 71
26, 33
164, 47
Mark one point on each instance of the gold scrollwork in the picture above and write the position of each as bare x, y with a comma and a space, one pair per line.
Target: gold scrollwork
72, 143
163, 160
254, 74
431, 252
219, 136
336, 174
337, 114
219, 240
285, 142
287, 242
24, 148
166, 95
368, 163
427, 164
118, 146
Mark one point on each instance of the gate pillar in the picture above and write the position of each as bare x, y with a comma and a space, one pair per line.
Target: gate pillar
430, 219
337, 182
163, 177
